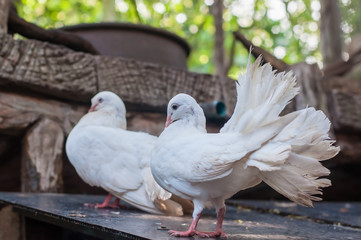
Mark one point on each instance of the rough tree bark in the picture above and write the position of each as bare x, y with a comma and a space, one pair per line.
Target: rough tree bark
312, 94
346, 110
18, 112
44, 123
41, 161
58, 71
331, 45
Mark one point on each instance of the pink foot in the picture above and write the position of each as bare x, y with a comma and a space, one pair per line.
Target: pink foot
211, 234
188, 233
106, 203
102, 205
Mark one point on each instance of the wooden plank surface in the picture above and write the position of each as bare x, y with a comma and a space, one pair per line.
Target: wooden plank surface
339, 213
241, 223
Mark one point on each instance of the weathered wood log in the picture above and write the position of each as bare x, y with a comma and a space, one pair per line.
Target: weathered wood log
152, 86
346, 110
44, 123
60, 72
47, 68
18, 112
32, 31
42, 158
309, 79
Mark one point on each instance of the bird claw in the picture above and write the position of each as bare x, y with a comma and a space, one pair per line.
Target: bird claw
101, 206
218, 233
190, 233
181, 234
212, 234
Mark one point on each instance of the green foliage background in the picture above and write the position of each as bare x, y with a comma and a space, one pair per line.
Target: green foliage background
294, 38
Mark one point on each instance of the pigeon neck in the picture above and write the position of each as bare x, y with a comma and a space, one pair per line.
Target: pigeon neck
104, 118
191, 122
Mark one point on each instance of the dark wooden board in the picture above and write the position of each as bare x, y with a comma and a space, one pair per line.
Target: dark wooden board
67, 211
340, 213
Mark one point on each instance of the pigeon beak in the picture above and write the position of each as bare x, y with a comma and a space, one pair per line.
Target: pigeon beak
169, 121
92, 108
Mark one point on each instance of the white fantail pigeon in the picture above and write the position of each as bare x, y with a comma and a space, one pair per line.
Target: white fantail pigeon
106, 155
256, 144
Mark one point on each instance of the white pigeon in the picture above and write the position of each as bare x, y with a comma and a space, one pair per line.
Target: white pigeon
255, 145
106, 155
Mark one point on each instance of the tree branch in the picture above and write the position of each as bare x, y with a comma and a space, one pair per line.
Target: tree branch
32, 31
230, 60
4, 12
331, 44
268, 57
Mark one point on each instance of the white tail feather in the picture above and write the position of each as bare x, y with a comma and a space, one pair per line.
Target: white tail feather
289, 161
261, 96
298, 177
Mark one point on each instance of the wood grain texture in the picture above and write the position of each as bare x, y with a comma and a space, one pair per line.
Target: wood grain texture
42, 158
47, 68
346, 110
61, 72
18, 112
309, 79
151, 85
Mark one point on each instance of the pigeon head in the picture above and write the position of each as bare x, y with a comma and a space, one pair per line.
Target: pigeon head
108, 102
184, 108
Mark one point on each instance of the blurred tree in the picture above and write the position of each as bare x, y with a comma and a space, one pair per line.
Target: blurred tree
286, 28
331, 46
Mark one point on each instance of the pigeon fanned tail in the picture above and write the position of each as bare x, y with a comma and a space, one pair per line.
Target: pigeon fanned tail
289, 160
261, 96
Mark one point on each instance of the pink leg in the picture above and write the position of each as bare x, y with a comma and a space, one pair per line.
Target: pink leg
219, 231
116, 204
105, 204
191, 230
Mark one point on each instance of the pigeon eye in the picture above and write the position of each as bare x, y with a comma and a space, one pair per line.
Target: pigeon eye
174, 107
100, 100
